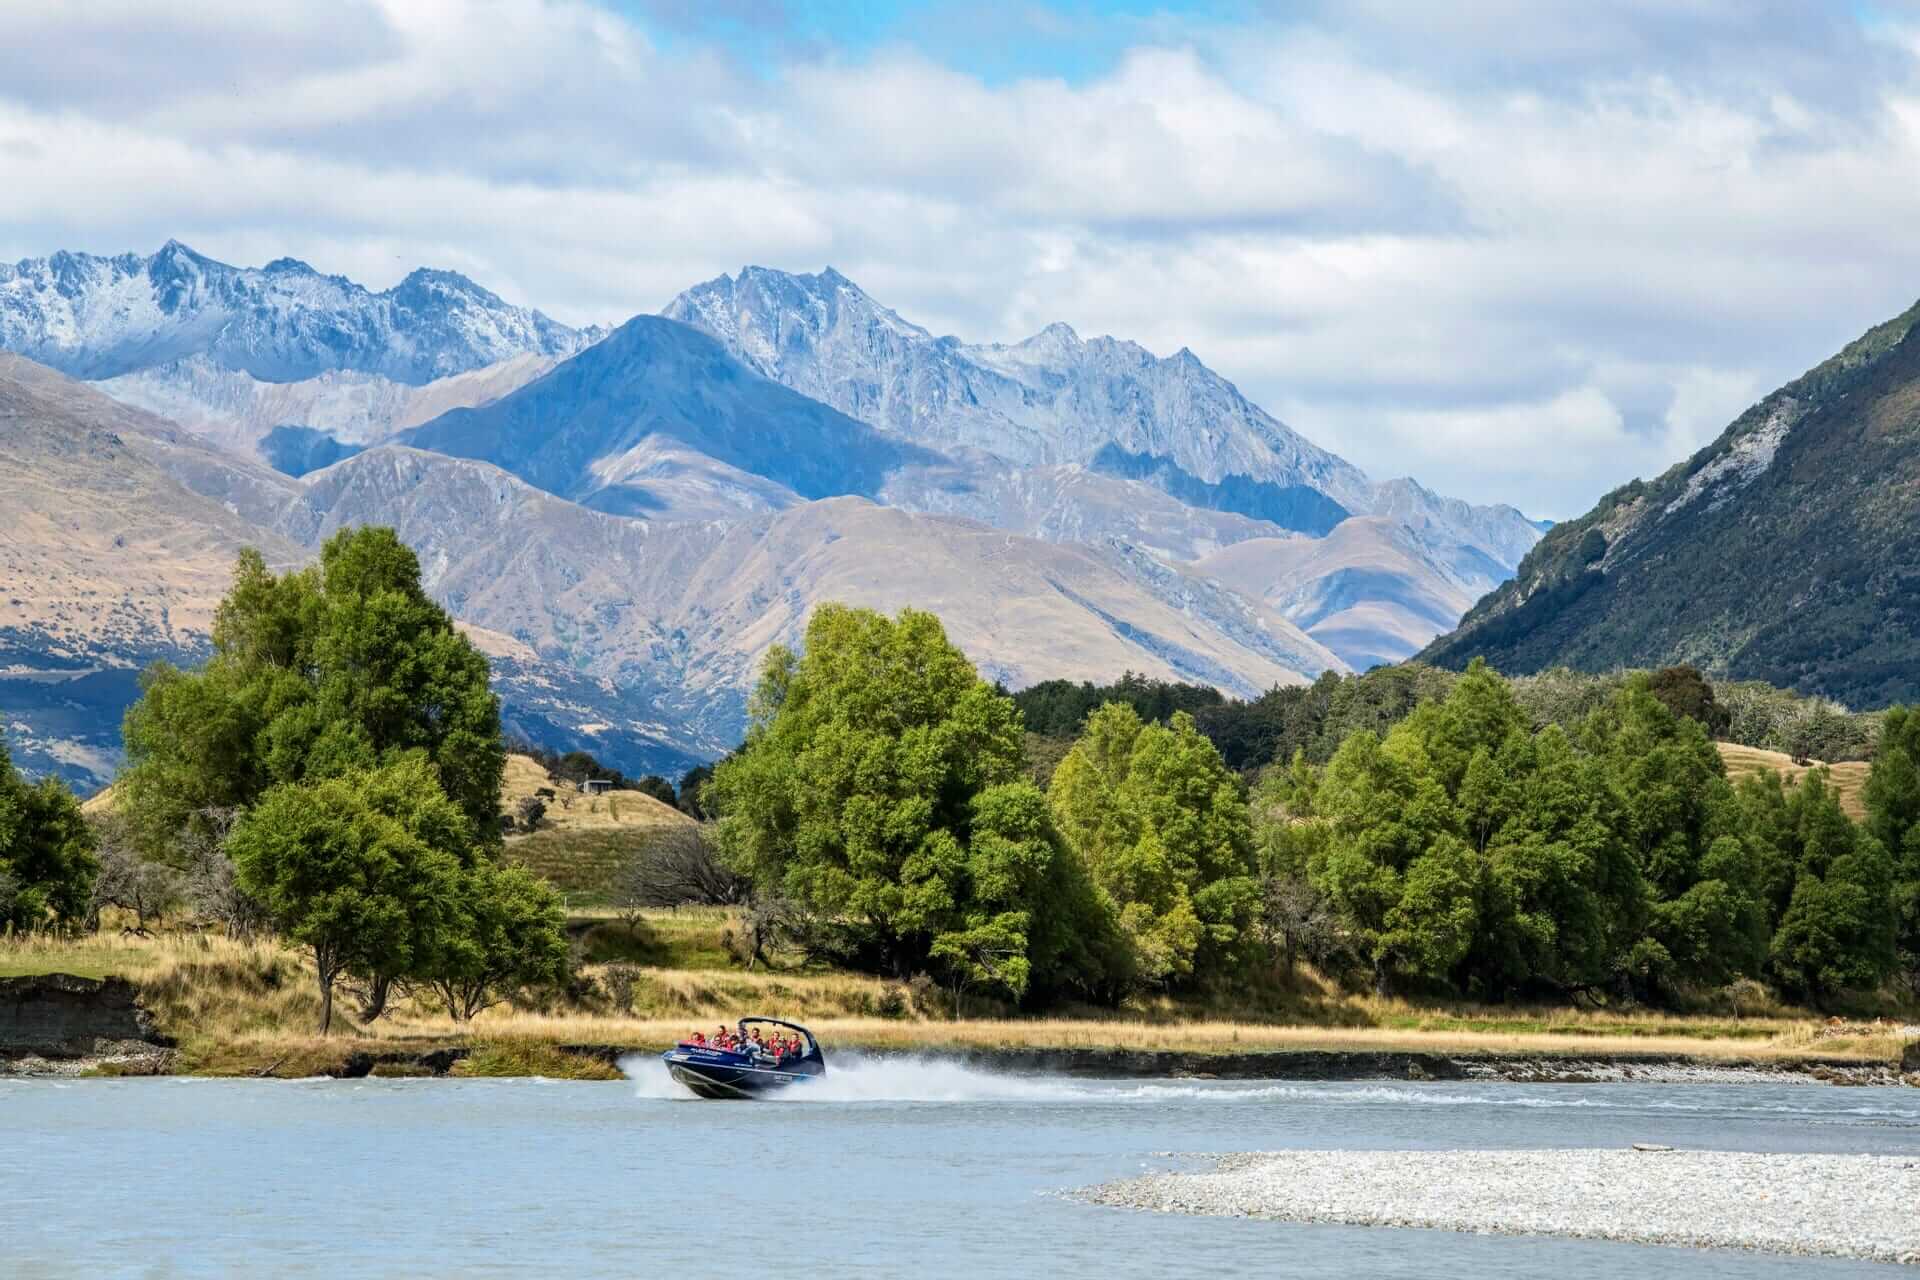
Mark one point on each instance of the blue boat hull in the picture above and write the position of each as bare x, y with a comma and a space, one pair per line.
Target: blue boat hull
733, 1076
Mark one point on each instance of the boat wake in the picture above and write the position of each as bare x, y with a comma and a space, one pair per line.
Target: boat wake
856, 1078
927, 1078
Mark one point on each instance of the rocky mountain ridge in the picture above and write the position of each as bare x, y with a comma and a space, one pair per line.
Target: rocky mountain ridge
103, 317
633, 516
635, 638
1054, 398
1058, 398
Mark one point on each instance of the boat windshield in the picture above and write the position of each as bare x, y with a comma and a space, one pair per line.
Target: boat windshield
759, 1037
775, 1031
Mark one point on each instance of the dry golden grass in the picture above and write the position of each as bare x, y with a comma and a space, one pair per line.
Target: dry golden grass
1849, 777
568, 810
583, 841
250, 1008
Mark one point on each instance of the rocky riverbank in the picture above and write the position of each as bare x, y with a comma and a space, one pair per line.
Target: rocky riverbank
60, 1024
1839, 1206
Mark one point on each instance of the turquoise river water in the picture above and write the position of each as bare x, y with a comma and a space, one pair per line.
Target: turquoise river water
893, 1168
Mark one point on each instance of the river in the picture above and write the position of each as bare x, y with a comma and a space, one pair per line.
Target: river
892, 1168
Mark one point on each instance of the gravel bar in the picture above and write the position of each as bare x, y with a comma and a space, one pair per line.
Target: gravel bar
1837, 1206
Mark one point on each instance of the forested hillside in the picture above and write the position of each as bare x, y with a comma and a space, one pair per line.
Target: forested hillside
1786, 551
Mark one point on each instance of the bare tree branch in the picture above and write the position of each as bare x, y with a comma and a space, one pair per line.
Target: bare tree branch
677, 867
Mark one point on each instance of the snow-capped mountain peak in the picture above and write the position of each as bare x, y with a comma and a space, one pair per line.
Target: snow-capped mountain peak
101, 317
1052, 398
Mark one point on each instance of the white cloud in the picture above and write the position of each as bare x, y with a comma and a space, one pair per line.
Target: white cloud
1515, 265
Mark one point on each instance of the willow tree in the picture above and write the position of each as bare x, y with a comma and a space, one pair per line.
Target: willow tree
1164, 832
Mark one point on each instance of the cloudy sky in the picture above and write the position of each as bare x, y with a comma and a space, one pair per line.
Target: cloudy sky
1521, 250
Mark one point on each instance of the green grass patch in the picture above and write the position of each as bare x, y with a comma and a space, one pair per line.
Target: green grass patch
502, 1058
583, 865
80, 961
691, 938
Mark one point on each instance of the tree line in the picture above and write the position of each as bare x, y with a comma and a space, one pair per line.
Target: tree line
1467, 851
1316, 718
1452, 839
332, 776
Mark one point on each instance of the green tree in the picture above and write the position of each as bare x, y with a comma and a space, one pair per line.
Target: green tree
1661, 773
1384, 808
1837, 934
344, 666
1840, 928
691, 791
1164, 831
365, 868
1719, 928
1470, 849
1685, 692
504, 929
657, 787
882, 788
1563, 895
1893, 818
47, 863
1295, 918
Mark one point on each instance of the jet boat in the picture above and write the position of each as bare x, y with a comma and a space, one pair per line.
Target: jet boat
726, 1073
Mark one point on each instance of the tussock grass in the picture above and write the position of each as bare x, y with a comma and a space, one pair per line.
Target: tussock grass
249, 1008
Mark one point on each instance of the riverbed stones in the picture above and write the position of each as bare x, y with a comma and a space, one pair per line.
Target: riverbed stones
1841, 1206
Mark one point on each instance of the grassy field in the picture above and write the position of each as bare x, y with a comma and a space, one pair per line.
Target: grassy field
247, 1009
1849, 776
582, 841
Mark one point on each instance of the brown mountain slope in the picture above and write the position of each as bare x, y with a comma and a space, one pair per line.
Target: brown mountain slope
682, 612
633, 638
1368, 590
102, 547
108, 560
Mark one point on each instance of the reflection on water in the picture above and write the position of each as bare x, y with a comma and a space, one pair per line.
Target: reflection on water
887, 1167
